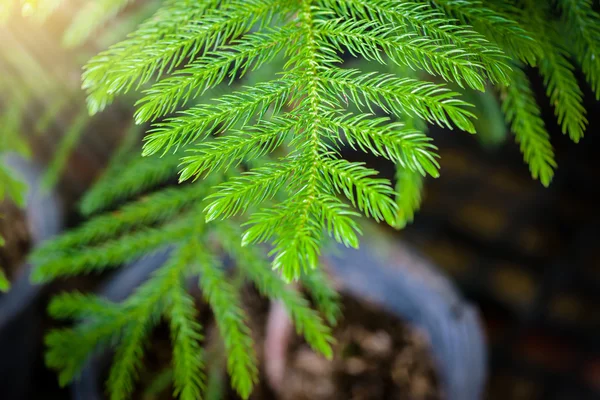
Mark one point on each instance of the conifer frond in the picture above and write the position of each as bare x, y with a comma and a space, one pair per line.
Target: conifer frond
338, 220
256, 267
70, 348
409, 185
524, 116
237, 146
186, 335
144, 309
409, 148
498, 27
250, 189
373, 41
369, 195
81, 306
435, 27
112, 253
556, 69
135, 177
128, 360
401, 96
156, 208
226, 111
327, 299
270, 153
583, 26
180, 36
232, 323
229, 62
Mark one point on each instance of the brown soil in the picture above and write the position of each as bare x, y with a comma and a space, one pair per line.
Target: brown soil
13, 228
376, 356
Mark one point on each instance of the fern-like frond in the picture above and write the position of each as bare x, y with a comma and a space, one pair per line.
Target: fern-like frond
250, 189
144, 309
371, 196
583, 26
136, 176
111, 253
524, 116
156, 208
128, 359
186, 335
198, 122
409, 148
185, 29
558, 73
80, 306
232, 323
434, 27
499, 27
256, 267
401, 96
230, 62
409, 185
326, 298
373, 41
238, 145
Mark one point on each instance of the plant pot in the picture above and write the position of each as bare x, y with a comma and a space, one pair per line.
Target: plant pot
19, 319
393, 276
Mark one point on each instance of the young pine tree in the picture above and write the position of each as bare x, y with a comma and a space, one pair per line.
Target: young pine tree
250, 102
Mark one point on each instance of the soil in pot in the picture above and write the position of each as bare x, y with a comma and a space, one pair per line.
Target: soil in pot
13, 228
377, 356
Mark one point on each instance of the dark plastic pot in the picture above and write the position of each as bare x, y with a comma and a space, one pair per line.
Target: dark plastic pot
19, 318
387, 273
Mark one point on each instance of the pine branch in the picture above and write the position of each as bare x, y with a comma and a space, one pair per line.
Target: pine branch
561, 84
583, 25
256, 267
155, 208
409, 185
113, 252
411, 49
187, 354
326, 298
128, 360
434, 27
250, 189
229, 62
237, 146
226, 111
179, 36
498, 27
431, 102
80, 306
372, 196
524, 116
410, 148
231, 321
136, 176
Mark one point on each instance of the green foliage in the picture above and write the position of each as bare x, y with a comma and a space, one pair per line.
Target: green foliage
250, 102
170, 216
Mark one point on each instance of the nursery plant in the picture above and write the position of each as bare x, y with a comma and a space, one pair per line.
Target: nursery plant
248, 104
